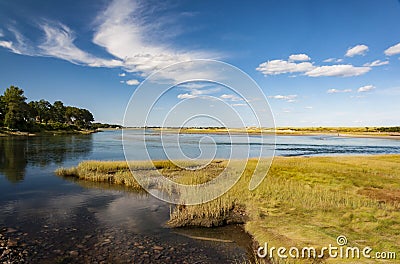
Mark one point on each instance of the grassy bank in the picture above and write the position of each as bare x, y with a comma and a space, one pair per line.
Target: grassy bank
374, 132
303, 201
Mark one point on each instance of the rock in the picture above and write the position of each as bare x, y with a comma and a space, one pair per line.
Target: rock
74, 253
158, 248
12, 243
11, 230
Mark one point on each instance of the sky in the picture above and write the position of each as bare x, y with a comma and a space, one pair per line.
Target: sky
317, 63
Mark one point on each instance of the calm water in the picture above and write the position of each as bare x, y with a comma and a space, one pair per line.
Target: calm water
32, 197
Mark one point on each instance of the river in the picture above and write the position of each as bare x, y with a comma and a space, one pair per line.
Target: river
69, 221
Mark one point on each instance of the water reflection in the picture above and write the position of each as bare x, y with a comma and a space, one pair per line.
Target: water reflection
12, 159
17, 153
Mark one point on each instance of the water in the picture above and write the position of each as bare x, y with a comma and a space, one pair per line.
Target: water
49, 208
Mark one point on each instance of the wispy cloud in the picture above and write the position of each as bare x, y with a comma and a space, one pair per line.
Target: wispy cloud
231, 97
331, 91
341, 70
122, 32
121, 29
288, 98
122, 74
195, 90
357, 50
393, 50
186, 96
58, 42
376, 63
333, 60
237, 105
365, 88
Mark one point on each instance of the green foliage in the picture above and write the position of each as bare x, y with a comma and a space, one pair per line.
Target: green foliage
100, 125
40, 115
389, 129
16, 110
2, 111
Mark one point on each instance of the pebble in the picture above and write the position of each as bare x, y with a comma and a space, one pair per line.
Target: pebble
74, 253
158, 248
114, 246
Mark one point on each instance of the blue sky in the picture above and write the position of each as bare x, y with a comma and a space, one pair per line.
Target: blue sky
319, 63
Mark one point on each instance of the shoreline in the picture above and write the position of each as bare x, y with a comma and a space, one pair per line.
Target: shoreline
377, 135
46, 133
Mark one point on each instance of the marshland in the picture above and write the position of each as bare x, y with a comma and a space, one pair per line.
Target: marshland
73, 198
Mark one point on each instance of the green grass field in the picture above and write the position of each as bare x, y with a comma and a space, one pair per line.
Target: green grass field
303, 201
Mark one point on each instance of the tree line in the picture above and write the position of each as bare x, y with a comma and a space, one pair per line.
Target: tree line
16, 113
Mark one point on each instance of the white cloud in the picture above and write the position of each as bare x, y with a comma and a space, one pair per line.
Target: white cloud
393, 50
59, 43
9, 45
376, 63
333, 60
365, 88
275, 67
186, 96
1, 33
122, 29
329, 60
124, 32
356, 50
231, 97
341, 70
122, 74
299, 57
19, 45
308, 107
132, 82
339, 91
239, 105
196, 90
288, 98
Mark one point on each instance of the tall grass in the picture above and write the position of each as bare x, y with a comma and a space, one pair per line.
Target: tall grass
303, 201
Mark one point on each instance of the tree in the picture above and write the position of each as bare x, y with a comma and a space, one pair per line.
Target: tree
86, 117
58, 112
42, 110
16, 109
2, 111
15, 113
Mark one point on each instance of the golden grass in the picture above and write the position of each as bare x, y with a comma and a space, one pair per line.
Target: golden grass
303, 201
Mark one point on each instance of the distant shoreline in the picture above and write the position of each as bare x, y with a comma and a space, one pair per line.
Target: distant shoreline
279, 132
44, 133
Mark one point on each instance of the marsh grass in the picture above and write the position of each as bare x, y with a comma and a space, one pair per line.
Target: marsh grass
303, 201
